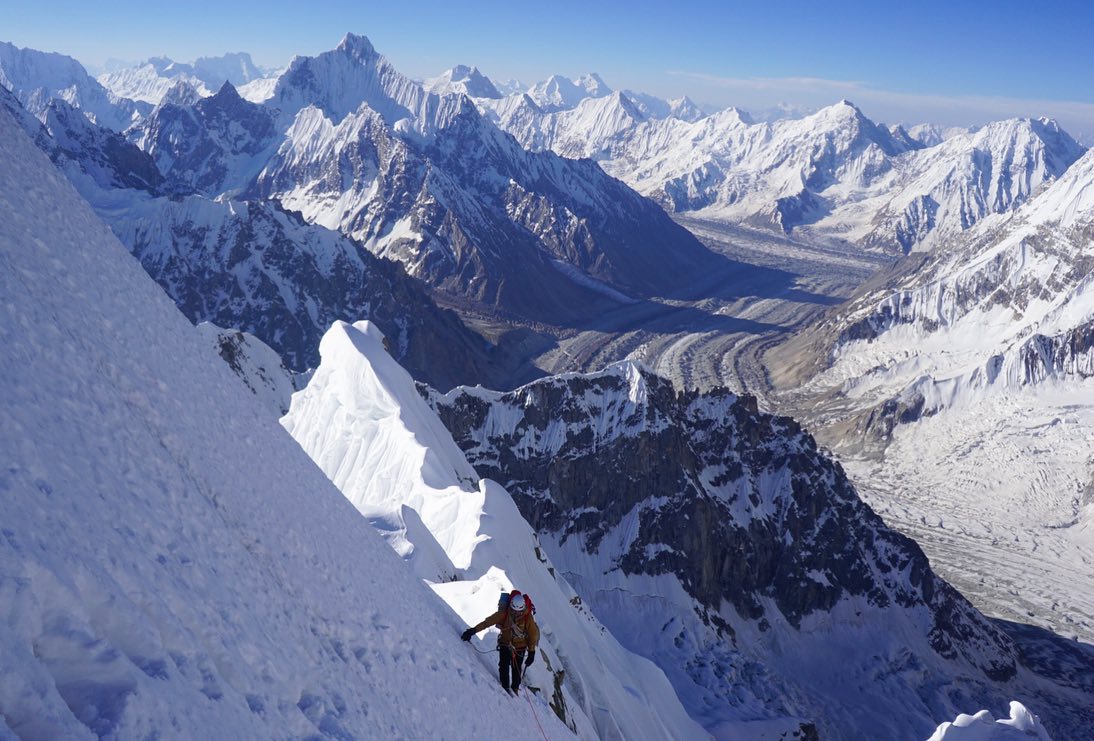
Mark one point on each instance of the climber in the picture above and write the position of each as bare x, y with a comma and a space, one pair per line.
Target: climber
519, 633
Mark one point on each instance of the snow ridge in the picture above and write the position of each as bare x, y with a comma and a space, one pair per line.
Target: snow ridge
363, 421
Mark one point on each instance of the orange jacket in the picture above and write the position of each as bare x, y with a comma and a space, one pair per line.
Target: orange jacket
518, 633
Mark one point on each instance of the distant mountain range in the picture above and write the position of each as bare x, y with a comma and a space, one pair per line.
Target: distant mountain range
832, 175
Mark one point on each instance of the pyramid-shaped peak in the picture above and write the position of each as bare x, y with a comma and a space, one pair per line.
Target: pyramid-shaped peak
227, 93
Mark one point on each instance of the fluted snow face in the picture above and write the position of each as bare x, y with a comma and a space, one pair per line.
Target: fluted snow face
147, 83
363, 421
339, 81
1016, 301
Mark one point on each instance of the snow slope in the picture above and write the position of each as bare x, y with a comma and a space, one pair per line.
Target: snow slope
363, 421
171, 563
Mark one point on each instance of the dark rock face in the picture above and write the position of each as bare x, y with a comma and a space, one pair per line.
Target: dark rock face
254, 267
206, 145
742, 505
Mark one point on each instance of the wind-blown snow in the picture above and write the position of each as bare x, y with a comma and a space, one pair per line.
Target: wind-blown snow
171, 563
363, 421
1021, 724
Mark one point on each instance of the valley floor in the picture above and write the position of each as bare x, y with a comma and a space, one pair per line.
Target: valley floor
768, 286
1005, 530
1002, 518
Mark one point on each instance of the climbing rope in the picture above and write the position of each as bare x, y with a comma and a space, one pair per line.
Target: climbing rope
526, 697
488, 651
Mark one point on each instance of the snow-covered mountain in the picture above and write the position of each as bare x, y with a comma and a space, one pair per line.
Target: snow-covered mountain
426, 180
722, 544
929, 134
831, 175
173, 563
213, 145
149, 81
465, 80
250, 265
558, 93
978, 360
362, 420
36, 77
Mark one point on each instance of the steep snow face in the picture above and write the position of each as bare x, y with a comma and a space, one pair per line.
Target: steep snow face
150, 81
971, 373
363, 421
1009, 309
337, 82
257, 366
465, 80
36, 77
173, 563
722, 544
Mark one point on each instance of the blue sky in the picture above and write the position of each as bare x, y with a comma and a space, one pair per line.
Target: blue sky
951, 62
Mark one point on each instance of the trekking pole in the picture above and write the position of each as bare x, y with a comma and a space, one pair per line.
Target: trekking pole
534, 715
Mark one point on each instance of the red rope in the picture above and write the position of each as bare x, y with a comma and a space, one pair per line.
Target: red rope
534, 714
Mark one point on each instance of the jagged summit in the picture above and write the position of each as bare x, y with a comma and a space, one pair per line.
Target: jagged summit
559, 93
182, 93
357, 45
463, 79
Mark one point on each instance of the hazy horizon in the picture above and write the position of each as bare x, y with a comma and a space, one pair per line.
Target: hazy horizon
950, 66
